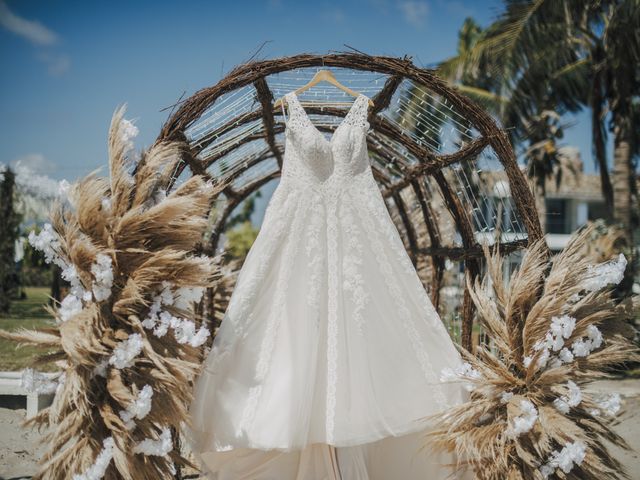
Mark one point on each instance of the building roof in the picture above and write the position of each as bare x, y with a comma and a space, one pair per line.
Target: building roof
573, 182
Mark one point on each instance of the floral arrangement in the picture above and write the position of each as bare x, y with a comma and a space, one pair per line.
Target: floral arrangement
553, 329
126, 336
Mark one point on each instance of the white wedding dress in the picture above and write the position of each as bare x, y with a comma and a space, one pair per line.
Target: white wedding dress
328, 358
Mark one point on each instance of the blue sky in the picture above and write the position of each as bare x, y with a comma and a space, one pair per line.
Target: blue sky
68, 65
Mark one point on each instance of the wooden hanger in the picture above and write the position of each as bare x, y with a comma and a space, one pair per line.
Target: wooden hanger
322, 76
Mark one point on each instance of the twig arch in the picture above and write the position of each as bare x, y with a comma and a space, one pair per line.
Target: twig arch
419, 168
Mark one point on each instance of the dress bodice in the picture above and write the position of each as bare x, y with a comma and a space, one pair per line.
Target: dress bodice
320, 162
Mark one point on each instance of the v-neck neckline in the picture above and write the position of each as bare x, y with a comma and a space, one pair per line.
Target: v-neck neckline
308, 120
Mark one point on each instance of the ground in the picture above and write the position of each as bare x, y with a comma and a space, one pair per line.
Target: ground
18, 449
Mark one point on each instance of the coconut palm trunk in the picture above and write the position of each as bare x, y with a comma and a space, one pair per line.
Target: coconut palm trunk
540, 195
596, 103
625, 84
622, 178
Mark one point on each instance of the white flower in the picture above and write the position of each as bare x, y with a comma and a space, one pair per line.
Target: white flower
185, 296
72, 303
463, 371
561, 405
574, 397
126, 351
603, 274
560, 329
595, 336
523, 423
611, 404
200, 337
166, 296
565, 325
543, 359
540, 344
70, 306
547, 470
572, 454
164, 322
555, 363
582, 347
48, 242
70, 274
36, 382
103, 277
565, 355
139, 408
554, 339
160, 320
575, 394
505, 397
99, 468
184, 331
159, 447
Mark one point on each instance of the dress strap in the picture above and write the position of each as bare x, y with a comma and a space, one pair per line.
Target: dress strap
358, 113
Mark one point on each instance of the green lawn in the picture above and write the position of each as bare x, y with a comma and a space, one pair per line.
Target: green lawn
27, 313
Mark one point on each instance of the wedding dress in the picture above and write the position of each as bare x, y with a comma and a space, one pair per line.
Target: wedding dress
328, 358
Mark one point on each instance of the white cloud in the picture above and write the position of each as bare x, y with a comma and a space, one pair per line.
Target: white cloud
414, 12
40, 36
35, 162
57, 63
31, 30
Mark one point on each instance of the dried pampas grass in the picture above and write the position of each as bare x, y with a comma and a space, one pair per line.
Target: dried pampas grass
127, 338
552, 332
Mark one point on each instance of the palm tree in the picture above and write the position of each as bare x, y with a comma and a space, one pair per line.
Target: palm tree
569, 53
622, 54
527, 101
542, 156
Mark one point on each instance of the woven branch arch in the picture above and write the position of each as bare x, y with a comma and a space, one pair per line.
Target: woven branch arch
426, 143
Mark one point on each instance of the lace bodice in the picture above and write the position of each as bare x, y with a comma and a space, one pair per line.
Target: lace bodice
324, 163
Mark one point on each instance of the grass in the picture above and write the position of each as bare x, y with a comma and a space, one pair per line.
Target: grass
27, 313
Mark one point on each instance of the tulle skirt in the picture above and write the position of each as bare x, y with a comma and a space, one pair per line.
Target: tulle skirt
401, 458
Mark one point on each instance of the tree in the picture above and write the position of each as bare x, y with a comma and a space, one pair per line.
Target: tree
622, 51
240, 239
239, 230
9, 231
543, 157
570, 54
247, 209
525, 99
